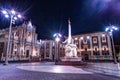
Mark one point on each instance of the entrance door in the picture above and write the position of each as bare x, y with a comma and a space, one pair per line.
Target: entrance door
86, 57
1, 49
53, 57
0, 54
27, 53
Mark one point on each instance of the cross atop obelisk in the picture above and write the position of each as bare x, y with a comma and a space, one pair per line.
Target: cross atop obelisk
69, 32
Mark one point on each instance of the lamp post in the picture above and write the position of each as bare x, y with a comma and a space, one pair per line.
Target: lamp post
12, 15
57, 39
110, 29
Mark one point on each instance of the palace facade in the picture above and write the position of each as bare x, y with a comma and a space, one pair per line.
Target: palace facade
92, 46
25, 46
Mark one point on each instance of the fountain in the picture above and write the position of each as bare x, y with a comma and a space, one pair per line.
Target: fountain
70, 47
70, 57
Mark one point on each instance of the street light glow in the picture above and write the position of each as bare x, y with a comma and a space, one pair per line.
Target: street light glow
76, 38
60, 35
111, 28
7, 16
57, 39
13, 12
57, 35
115, 28
54, 35
81, 38
15, 18
106, 29
19, 16
4, 12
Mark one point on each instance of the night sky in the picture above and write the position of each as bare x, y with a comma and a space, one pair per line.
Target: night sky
50, 16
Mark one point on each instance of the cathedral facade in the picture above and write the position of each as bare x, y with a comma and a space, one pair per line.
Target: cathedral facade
23, 43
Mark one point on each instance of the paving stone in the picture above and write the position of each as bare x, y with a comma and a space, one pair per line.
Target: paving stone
10, 72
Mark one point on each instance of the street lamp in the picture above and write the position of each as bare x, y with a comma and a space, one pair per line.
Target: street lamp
12, 15
110, 29
57, 39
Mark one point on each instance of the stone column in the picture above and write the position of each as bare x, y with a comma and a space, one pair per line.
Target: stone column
4, 50
100, 47
40, 51
109, 45
50, 50
45, 50
56, 50
80, 46
91, 46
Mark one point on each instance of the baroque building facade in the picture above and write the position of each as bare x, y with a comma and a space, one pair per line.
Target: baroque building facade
25, 46
23, 42
51, 50
94, 46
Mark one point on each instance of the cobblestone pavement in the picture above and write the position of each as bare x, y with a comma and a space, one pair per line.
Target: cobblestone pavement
11, 72
105, 68
108, 66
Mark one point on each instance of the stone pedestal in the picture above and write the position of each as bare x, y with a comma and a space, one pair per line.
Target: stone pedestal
71, 59
71, 63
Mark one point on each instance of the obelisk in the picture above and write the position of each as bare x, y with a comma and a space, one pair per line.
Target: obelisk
69, 32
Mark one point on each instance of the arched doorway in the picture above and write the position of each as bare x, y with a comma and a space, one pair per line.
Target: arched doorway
27, 53
86, 56
53, 56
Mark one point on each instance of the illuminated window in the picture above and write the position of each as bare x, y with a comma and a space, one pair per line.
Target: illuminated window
15, 47
85, 41
104, 39
81, 38
96, 50
105, 50
76, 38
94, 40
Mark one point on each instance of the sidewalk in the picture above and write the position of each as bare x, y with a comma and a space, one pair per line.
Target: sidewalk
106, 68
